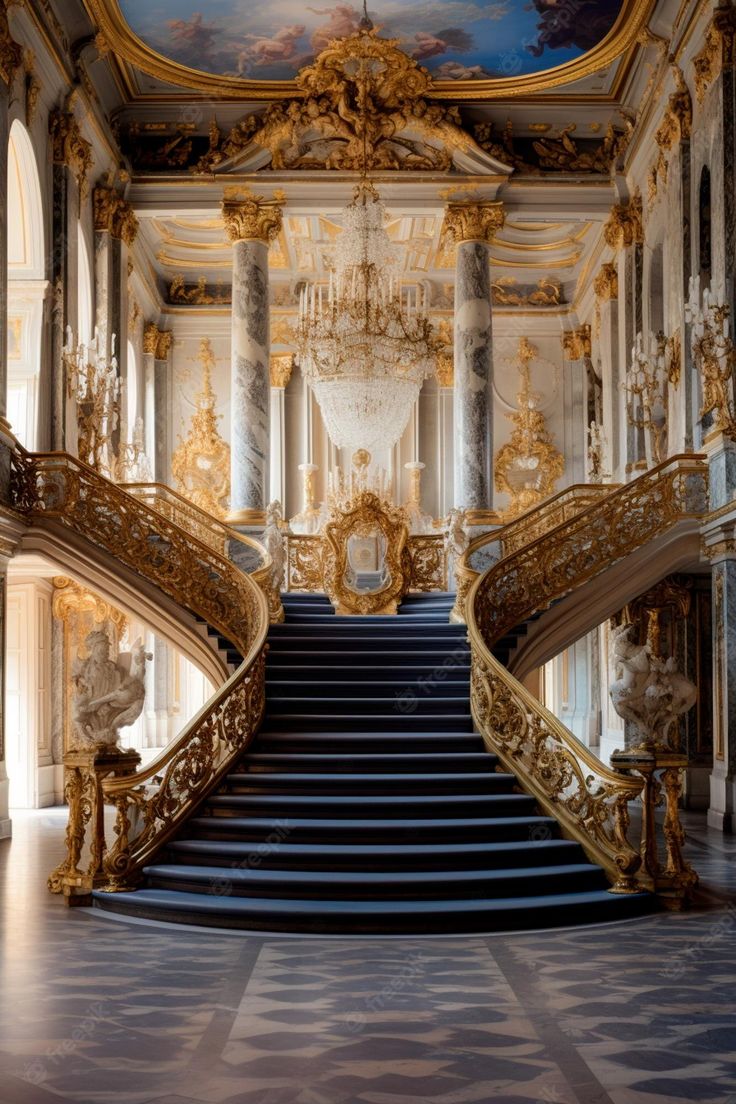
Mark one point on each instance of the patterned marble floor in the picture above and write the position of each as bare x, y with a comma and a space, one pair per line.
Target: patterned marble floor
96, 1010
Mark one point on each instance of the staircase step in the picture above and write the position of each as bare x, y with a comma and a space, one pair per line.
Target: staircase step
528, 852
413, 721
370, 741
370, 805
353, 690
325, 829
376, 916
405, 701
479, 762
388, 884
359, 785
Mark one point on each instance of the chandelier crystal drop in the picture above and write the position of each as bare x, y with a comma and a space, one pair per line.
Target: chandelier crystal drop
365, 341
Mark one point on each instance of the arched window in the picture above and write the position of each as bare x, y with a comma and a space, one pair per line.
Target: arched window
26, 285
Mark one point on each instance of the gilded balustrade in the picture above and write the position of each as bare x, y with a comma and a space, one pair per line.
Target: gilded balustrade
528, 527
150, 804
210, 531
589, 799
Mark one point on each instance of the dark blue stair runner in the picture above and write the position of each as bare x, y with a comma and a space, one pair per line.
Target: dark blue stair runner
368, 804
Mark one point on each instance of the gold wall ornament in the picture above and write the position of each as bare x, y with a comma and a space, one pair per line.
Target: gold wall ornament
281, 367
11, 53
199, 294
555, 154
714, 354
528, 466
718, 49
113, 214
445, 368
507, 292
32, 86
605, 284
69, 148
625, 226
157, 342
645, 385
360, 106
576, 344
470, 221
200, 464
252, 218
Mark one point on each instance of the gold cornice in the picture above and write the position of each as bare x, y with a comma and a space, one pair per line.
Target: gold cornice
622, 37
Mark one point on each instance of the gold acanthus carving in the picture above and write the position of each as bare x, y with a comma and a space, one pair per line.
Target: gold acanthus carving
506, 292
201, 462
281, 367
465, 222
605, 284
11, 54
561, 154
157, 342
252, 218
360, 105
624, 226
576, 344
69, 148
718, 50
198, 294
113, 214
676, 126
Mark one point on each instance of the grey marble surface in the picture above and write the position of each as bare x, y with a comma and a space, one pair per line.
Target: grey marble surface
95, 1009
473, 377
250, 408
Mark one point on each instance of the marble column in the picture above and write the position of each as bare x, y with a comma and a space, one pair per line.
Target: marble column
722, 809
576, 349
159, 399
606, 290
116, 227
281, 368
473, 226
251, 224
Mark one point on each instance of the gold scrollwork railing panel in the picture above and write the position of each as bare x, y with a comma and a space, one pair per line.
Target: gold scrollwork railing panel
213, 532
589, 799
577, 550
424, 562
57, 488
531, 525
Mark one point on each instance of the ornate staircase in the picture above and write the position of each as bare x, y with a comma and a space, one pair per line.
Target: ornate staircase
368, 804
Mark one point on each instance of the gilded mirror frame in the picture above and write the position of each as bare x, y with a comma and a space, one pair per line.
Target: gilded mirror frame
367, 512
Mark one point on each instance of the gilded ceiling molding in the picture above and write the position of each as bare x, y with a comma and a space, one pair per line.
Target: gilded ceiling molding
157, 342
119, 37
718, 50
252, 218
576, 344
466, 222
605, 284
113, 214
11, 54
281, 366
69, 148
624, 226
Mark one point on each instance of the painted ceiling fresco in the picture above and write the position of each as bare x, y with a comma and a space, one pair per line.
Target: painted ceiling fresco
455, 39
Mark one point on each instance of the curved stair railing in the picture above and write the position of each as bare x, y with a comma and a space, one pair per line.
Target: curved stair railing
529, 526
150, 803
589, 799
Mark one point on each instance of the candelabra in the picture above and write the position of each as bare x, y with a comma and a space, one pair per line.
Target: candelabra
133, 465
713, 354
94, 384
646, 391
596, 453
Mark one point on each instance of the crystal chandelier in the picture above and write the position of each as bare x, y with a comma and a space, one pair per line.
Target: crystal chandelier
365, 342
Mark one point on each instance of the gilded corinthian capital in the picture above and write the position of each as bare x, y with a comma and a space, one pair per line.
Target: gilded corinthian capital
473, 221
157, 342
252, 219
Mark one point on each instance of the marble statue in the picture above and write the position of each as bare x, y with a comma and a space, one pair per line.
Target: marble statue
457, 537
648, 692
273, 539
108, 694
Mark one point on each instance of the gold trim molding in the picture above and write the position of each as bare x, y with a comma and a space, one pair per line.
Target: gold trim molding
121, 39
